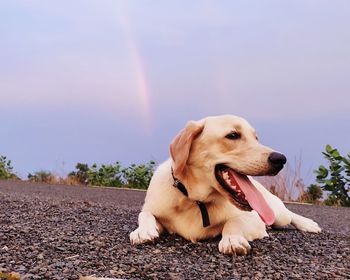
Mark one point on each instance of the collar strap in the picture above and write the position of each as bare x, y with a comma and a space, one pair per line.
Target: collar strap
181, 187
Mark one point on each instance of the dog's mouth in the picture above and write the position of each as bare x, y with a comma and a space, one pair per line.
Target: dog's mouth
243, 194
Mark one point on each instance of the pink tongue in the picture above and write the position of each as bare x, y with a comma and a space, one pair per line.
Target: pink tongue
254, 197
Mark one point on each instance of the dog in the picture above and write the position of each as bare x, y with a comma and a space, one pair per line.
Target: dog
204, 189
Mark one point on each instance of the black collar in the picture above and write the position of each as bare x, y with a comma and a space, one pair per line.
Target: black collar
181, 187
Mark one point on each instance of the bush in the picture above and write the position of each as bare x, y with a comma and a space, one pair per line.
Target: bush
107, 175
6, 169
336, 178
332, 200
313, 193
42, 177
112, 175
82, 174
139, 176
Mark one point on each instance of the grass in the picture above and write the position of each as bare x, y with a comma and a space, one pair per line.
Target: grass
288, 184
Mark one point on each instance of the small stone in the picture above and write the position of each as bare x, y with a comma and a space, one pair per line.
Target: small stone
117, 272
40, 256
21, 268
157, 251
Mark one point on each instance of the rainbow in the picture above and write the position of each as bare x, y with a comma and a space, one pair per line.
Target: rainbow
140, 74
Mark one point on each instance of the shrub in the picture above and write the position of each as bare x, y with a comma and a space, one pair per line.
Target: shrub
106, 175
332, 200
6, 169
81, 175
313, 194
139, 176
42, 177
112, 175
69, 180
336, 178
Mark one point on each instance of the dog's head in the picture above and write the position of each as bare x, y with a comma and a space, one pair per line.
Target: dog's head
222, 151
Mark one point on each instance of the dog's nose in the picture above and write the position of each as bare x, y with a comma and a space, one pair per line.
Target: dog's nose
277, 159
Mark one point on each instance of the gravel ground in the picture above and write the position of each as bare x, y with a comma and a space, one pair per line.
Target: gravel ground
62, 232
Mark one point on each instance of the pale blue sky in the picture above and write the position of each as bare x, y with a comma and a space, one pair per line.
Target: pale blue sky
100, 81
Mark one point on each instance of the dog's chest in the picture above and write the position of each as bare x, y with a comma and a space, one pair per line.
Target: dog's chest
186, 220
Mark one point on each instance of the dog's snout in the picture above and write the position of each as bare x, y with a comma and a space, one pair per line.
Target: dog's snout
277, 159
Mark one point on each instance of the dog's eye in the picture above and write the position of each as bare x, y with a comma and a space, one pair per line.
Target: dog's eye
233, 136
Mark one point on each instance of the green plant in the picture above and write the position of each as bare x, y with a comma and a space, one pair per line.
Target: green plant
336, 178
313, 193
6, 169
332, 200
112, 175
139, 176
106, 175
42, 177
81, 174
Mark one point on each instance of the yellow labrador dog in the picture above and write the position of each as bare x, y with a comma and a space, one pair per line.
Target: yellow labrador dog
204, 189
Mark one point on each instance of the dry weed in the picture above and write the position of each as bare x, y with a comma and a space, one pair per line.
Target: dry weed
288, 185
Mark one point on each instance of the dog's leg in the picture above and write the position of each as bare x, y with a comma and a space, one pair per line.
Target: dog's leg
148, 230
304, 224
284, 216
238, 231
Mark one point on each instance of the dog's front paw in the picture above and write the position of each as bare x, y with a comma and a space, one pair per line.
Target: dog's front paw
148, 230
234, 245
305, 224
143, 235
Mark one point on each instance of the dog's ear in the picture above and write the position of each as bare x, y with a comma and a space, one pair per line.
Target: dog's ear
181, 145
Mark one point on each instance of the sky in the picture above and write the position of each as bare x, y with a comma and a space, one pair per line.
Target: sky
101, 81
